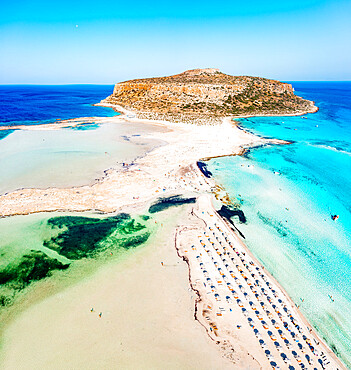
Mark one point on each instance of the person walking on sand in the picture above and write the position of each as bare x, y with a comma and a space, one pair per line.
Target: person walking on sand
100, 314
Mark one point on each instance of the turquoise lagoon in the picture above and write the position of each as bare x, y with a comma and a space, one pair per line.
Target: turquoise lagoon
289, 194
69, 157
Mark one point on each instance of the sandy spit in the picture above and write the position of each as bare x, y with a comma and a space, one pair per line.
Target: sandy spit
150, 317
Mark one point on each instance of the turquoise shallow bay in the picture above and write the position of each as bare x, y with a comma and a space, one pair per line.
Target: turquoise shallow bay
289, 193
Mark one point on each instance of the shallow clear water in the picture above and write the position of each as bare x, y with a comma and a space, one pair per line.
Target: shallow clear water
289, 193
34, 247
65, 158
69, 157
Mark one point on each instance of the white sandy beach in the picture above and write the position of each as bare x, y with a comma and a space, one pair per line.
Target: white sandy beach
148, 309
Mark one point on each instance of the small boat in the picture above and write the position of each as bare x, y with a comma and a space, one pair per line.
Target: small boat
334, 217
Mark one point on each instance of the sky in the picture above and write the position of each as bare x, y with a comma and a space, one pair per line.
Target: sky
74, 41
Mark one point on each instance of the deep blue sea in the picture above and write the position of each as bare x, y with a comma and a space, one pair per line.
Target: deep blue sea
289, 194
35, 104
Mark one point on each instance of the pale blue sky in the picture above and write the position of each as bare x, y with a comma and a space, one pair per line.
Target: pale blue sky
287, 40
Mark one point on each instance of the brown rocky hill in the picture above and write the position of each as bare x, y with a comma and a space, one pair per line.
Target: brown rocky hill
207, 93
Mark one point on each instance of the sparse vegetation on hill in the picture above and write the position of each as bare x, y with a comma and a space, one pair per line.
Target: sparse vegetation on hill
203, 93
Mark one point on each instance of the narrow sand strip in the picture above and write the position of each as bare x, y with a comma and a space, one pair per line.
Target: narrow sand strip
240, 304
157, 172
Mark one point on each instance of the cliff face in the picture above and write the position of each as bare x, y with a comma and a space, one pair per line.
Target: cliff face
207, 92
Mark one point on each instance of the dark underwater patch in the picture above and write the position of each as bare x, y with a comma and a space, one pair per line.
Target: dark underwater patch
228, 213
134, 241
163, 203
33, 266
81, 236
131, 227
75, 238
203, 168
278, 226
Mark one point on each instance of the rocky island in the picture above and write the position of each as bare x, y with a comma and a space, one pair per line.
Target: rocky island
206, 95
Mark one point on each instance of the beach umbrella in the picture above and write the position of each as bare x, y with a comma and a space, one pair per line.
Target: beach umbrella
299, 345
286, 341
294, 353
273, 364
255, 331
269, 333
283, 355
267, 352
261, 341
276, 344
257, 312
291, 367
